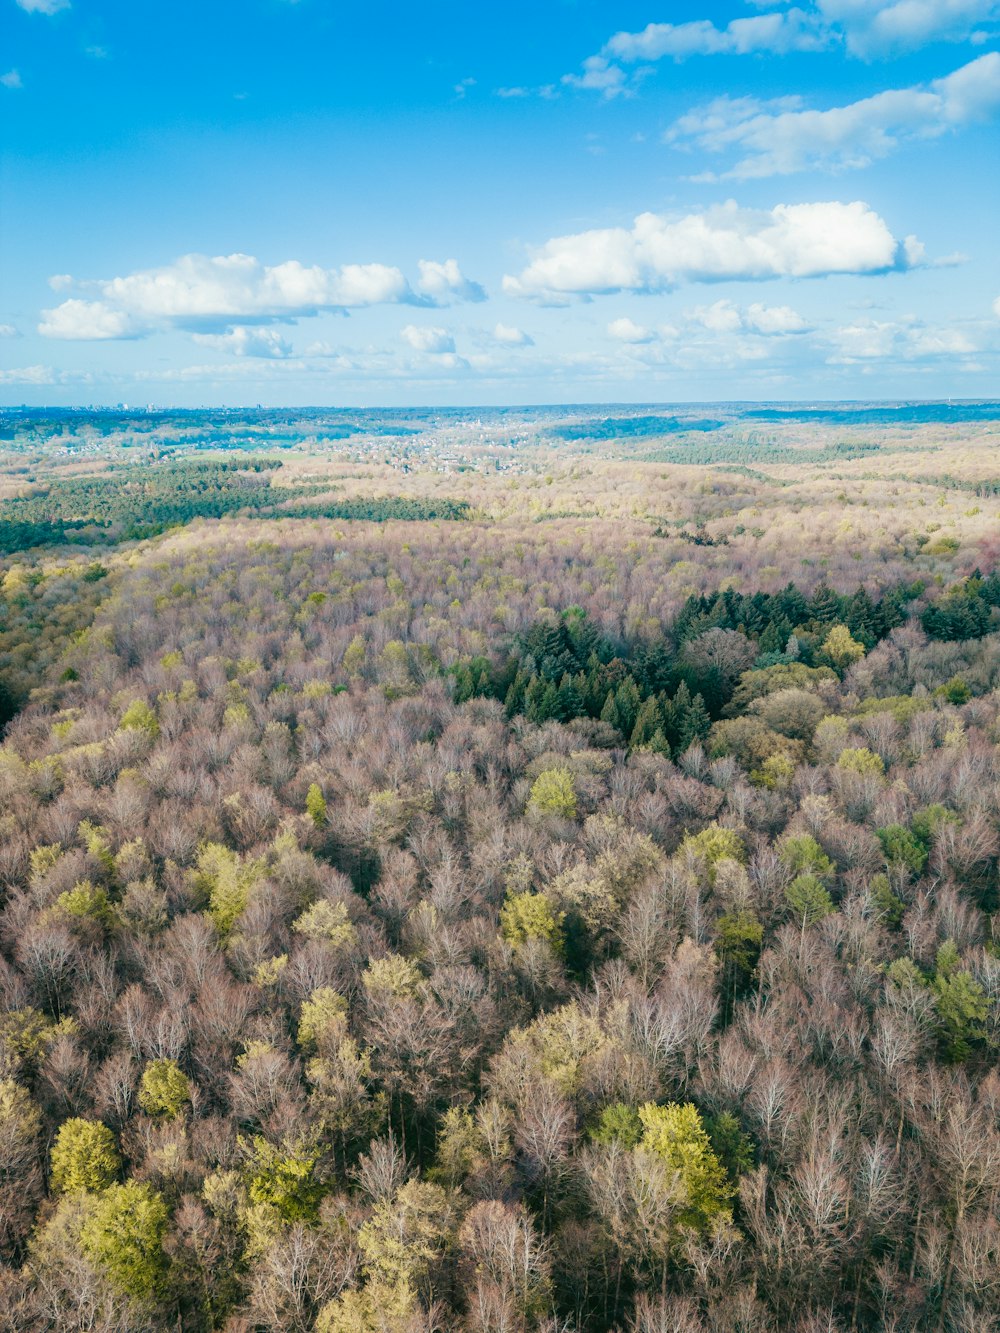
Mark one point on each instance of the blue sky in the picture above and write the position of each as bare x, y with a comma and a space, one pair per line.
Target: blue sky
315, 202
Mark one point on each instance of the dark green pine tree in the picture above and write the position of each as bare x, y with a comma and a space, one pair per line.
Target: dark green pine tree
629, 701
775, 637
824, 606
534, 697
791, 604
569, 700
609, 713
647, 723
694, 725
673, 723
595, 688
514, 701
860, 618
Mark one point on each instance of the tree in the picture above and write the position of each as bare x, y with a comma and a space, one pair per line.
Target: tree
164, 1089
553, 793
808, 899
84, 1157
841, 648
140, 717
283, 1180
861, 760
962, 1005
407, 1234
123, 1236
316, 805
676, 1134
227, 881
529, 916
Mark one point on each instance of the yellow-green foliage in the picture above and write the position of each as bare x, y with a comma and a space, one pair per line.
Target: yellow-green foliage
87, 903
20, 1127
675, 1133
530, 916
316, 804
406, 1233
861, 760
84, 1157
775, 773
164, 1089
715, 844
376, 1308
283, 1179
324, 1011
553, 793
25, 1034
841, 648
123, 1235
392, 975
270, 971
227, 881
808, 899
43, 858
353, 660
325, 920
562, 1044
140, 717
803, 854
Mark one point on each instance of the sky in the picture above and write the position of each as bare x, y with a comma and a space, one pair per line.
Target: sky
315, 202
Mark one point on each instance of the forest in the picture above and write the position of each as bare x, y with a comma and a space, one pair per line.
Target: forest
556, 894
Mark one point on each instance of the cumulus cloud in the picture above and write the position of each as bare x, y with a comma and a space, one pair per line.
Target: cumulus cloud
906, 339
600, 75
883, 27
428, 338
8, 331
510, 336
29, 375
779, 138
89, 321
445, 283
864, 28
209, 294
728, 242
244, 341
11, 79
790, 30
996, 307
43, 6
726, 317
625, 330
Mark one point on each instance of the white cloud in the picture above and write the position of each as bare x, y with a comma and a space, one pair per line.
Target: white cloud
883, 27
625, 330
600, 75
865, 28
509, 336
791, 30
244, 341
726, 317
29, 375
11, 79
427, 338
208, 294
728, 242
996, 307
43, 6
89, 321
778, 138
9, 331
906, 339
444, 283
